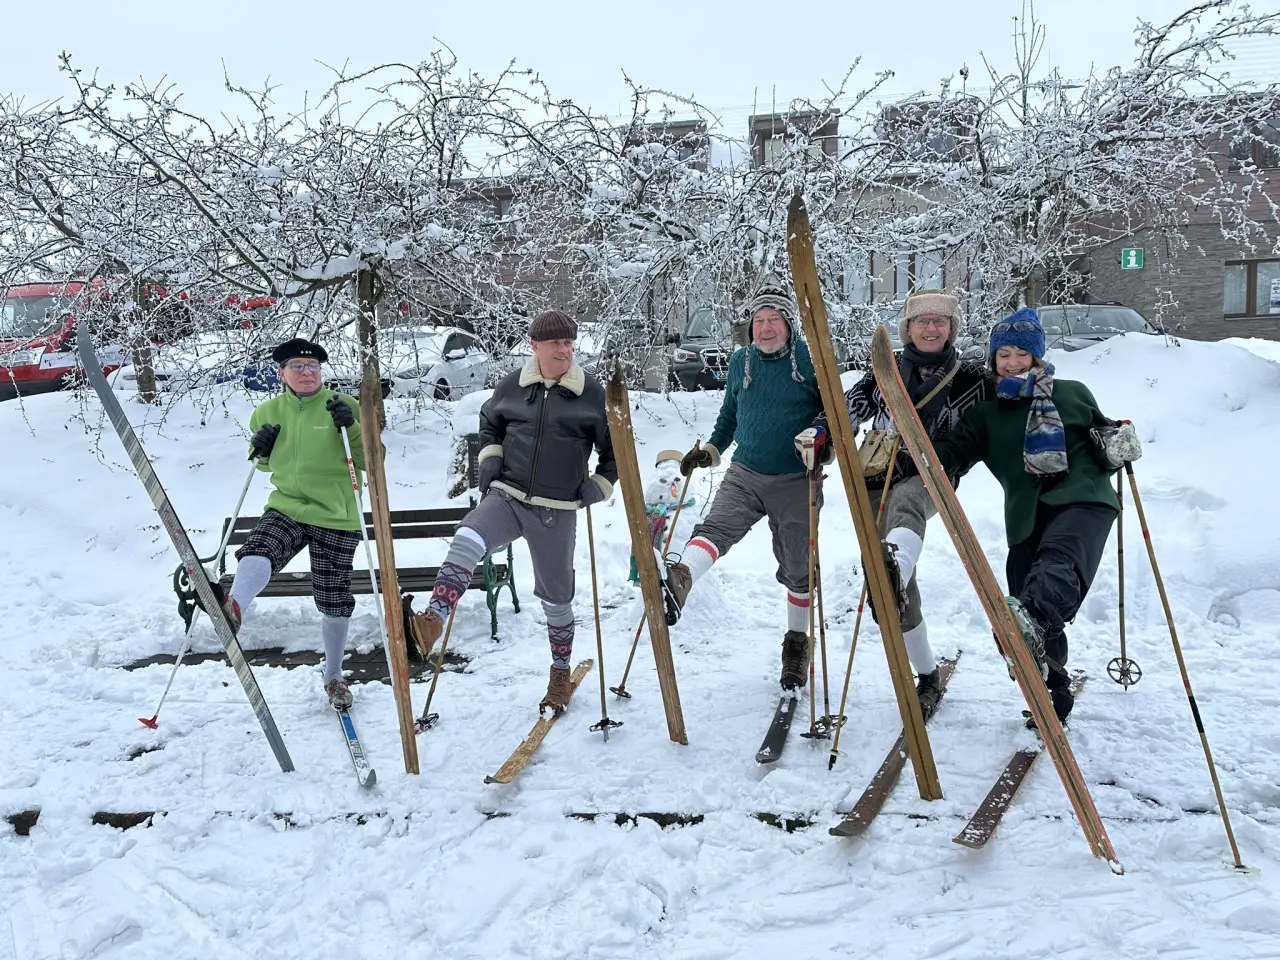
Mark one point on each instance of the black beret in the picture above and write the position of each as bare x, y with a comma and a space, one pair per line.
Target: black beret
297, 347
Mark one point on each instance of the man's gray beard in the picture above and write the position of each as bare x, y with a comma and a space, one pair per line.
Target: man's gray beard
778, 349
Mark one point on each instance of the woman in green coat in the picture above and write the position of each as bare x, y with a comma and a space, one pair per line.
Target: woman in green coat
1059, 504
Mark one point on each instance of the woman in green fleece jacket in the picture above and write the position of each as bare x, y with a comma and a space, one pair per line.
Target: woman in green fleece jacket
1059, 504
297, 438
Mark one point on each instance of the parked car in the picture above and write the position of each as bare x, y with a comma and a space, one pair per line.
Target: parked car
700, 360
37, 339
1075, 326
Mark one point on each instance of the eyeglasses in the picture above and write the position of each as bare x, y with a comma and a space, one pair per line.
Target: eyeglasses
1022, 326
303, 366
938, 322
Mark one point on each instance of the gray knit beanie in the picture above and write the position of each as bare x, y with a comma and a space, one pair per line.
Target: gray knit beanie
774, 293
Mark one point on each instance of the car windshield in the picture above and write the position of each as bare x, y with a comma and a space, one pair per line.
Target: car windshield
1095, 319
704, 326
22, 318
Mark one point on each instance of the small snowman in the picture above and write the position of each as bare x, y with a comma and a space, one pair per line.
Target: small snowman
662, 499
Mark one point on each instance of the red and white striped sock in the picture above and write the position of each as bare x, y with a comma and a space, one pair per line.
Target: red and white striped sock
699, 554
798, 611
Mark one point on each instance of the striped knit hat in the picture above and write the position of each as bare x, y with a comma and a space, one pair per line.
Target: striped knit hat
771, 292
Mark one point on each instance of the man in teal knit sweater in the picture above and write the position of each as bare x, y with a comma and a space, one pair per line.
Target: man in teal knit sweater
770, 398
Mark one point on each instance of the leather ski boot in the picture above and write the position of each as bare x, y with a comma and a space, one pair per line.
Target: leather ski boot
558, 691
795, 660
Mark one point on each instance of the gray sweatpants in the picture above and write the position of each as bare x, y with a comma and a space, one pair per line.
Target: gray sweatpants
743, 498
551, 534
909, 505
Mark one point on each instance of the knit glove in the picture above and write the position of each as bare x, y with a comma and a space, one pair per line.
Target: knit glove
263, 441
1118, 443
490, 470
341, 412
701, 456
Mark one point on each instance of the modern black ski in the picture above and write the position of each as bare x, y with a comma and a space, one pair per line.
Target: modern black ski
987, 817
776, 737
196, 573
886, 778
365, 773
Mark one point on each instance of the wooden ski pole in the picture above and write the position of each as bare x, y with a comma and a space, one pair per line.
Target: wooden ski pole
605, 723
154, 720
621, 688
1182, 668
813, 733
862, 600
429, 719
1121, 669
827, 719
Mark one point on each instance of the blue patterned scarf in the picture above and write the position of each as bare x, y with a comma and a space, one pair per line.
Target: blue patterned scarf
1044, 451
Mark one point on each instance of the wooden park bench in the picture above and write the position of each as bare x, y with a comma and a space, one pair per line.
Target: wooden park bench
492, 576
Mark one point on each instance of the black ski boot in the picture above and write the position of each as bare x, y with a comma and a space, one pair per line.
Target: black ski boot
1064, 702
675, 590
929, 692
795, 660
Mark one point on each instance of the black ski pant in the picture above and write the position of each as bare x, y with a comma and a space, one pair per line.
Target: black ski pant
1051, 571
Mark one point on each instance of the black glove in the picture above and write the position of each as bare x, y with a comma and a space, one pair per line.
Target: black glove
264, 440
699, 457
590, 493
490, 470
341, 412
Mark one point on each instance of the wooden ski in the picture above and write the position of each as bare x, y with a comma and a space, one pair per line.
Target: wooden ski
873, 798
520, 758
372, 418
618, 407
813, 314
1005, 628
987, 817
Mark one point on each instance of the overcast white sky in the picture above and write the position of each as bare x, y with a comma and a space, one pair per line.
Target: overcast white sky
728, 55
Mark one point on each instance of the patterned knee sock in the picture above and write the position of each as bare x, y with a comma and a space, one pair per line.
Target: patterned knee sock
560, 633
465, 553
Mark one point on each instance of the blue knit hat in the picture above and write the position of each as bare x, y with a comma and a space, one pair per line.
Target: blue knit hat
1021, 329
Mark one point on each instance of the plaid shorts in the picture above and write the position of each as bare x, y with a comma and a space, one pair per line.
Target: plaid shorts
280, 538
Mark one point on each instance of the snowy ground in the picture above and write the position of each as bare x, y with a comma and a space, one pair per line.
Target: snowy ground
422, 867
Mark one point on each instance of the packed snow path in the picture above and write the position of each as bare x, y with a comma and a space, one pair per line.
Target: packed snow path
241, 861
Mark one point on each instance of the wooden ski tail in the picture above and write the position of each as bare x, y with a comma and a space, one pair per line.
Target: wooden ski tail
992, 597
813, 314
618, 407
519, 759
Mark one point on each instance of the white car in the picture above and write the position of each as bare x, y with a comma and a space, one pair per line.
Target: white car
443, 364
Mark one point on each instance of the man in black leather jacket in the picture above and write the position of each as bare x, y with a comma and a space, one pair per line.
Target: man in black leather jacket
538, 431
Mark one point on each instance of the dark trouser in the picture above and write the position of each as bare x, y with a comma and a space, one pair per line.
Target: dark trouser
1051, 571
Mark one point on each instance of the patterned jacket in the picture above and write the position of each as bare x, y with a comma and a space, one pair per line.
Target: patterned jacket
969, 387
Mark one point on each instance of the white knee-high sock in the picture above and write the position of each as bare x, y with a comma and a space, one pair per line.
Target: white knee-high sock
798, 611
252, 575
334, 631
908, 544
918, 650
699, 554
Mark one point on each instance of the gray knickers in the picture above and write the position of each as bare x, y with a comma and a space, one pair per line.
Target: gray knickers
909, 506
500, 518
744, 497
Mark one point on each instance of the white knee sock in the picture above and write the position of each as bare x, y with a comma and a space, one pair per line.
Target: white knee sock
798, 611
918, 650
334, 632
252, 574
909, 544
698, 556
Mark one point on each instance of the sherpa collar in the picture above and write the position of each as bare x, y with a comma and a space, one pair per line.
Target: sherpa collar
575, 381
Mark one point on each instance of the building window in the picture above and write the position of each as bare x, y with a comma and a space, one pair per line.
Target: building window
1258, 145
1251, 288
857, 278
918, 271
